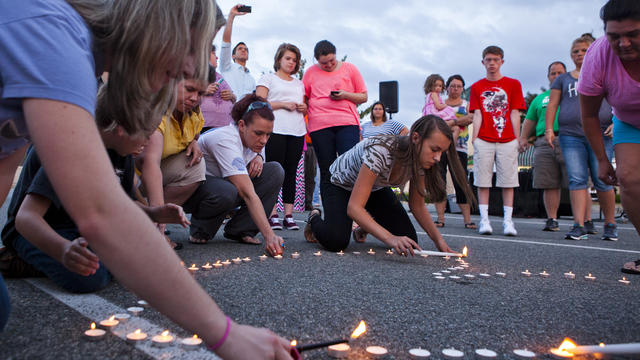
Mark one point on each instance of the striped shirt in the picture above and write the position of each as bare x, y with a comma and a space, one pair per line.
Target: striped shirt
389, 127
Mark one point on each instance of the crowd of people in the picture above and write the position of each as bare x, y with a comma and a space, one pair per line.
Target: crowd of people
191, 133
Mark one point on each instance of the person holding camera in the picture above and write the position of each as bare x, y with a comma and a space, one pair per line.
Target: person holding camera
236, 73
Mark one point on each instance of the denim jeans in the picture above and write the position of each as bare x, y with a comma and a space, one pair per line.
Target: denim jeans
581, 161
5, 304
55, 271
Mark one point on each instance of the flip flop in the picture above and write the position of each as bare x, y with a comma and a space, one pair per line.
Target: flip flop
470, 225
439, 223
632, 267
242, 239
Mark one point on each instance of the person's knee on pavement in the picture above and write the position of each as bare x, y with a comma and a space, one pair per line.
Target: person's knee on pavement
86, 284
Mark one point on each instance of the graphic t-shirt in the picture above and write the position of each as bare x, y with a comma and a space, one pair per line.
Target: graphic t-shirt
496, 99
463, 135
389, 127
537, 112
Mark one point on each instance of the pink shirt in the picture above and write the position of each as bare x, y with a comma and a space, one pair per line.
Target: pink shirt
602, 73
324, 112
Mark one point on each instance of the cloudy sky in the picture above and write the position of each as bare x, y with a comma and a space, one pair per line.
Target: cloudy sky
407, 40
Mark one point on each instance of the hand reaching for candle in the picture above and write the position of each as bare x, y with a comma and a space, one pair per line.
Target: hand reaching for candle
169, 214
246, 342
273, 245
402, 245
78, 259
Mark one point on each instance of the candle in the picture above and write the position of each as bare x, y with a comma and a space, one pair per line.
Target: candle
436, 274
524, 354
94, 334
110, 322
452, 268
217, 264
526, 273
569, 349
191, 343
162, 339
501, 274
246, 259
486, 354
371, 252
419, 353
464, 266
340, 253
339, 351
459, 267
263, 257
207, 267
445, 272
193, 268
544, 274
277, 257
135, 310
237, 261
389, 252
624, 281
424, 255
226, 263
454, 277
446, 255
469, 276
136, 336
439, 277
356, 253
460, 260
317, 253
590, 277
143, 303
452, 354
122, 318
376, 352
484, 275
570, 275
295, 255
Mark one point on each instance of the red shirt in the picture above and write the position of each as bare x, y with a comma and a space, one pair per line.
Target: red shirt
496, 99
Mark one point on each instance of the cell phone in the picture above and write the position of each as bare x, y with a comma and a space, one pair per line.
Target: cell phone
220, 81
335, 92
244, 9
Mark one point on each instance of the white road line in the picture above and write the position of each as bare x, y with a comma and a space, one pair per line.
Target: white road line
502, 239
96, 308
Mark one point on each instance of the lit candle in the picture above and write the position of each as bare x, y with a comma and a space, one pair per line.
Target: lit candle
389, 252
340, 253
295, 255
135, 310
526, 273
207, 267
263, 257
110, 322
469, 276
246, 259
277, 257
317, 253
376, 352
122, 318
570, 349
193, 268
163, 339
624, 281
136, 336
226, 263
419, 353
371, 252
544, 274
446, 257
94, 334
590, 277
217, 264
237, 261
452, 354
524, 354
486, 354
501, 274
339, 351
484, 275
570, 275
143, 303
191, 343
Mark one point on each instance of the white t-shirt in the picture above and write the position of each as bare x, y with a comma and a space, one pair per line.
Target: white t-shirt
286, 122
223, 152
239, 78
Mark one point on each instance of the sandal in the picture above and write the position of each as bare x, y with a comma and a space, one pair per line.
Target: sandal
308, 233
243, 239
439, 223
12, 265
359, 235
470, 225
632, 267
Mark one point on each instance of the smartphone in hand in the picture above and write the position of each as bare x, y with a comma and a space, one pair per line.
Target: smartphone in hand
244, 9
335, 92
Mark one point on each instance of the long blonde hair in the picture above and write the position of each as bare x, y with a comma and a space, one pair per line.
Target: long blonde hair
140, 39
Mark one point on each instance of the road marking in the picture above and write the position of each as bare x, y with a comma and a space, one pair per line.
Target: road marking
96, 308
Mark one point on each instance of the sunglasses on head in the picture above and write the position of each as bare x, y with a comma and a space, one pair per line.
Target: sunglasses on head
257, 105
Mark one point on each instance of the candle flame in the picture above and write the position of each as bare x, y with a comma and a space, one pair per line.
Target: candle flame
601, 344
564, 350
624, 278
370, 250
465, 252
195, 336
218, 262
207, 264
113, 317
590, 275
193, 265
165, 333
294, 343
138, 331
93, 326
361, 329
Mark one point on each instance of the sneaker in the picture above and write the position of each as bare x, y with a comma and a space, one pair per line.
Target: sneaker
485, 227
577, 233
508, 229
589, 228
274, 222
290, 224
551, 225
610, 232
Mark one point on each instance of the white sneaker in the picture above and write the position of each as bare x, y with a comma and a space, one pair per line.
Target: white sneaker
485, 227
508, 229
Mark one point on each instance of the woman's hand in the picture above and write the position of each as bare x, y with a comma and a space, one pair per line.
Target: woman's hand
170, 214
608, 132
195, 152
247, 342
290, 106
228, 95
273, 245
254, 167
78, 259
549, 136
606, 173
212, 88
402, 245
301, 108
338, 95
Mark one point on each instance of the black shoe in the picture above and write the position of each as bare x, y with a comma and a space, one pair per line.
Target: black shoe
577, 233
589, 228
610, 232
551, 225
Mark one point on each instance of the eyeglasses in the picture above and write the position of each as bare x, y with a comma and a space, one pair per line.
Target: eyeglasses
257, 105
455, 86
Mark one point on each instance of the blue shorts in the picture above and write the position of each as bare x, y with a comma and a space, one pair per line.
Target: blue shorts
625, 133
580, 161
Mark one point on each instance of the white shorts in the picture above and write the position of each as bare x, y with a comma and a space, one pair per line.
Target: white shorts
505, 157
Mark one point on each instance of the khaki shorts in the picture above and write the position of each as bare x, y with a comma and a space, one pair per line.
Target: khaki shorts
176, 173
548, 165
505, 158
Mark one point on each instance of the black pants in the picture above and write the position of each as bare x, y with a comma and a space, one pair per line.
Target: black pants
461, 198
334, 231
286, 150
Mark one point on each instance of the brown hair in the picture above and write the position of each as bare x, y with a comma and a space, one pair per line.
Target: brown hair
585, 38
239, 110
430, 83
282, 49
384, 112
494, 50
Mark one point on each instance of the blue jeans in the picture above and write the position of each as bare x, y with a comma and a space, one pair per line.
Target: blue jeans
5, 304
55, 271
581, 161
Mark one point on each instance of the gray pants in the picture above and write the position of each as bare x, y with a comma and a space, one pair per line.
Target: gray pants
216, 197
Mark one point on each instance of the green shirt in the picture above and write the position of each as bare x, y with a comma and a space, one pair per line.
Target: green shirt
537, 111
